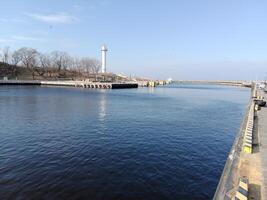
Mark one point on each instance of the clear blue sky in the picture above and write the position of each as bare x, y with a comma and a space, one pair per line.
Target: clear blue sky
182, 39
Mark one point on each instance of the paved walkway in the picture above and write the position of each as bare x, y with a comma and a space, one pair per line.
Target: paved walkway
262, 131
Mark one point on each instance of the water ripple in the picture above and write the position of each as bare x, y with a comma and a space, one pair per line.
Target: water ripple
67, 143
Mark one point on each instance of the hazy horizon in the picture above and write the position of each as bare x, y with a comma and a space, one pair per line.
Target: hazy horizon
179, 39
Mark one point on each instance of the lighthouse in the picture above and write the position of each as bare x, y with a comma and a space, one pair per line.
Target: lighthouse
104, 50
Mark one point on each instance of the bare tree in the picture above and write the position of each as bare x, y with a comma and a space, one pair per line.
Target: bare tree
60, 59
46, 64
45, 61
77, 65
90, 65
55, 64
72, 63
66, 62
16, 57
95, 67
5, 55
85, 65
1, 55
28, 58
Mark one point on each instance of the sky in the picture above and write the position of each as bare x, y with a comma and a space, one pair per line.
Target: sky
181, 39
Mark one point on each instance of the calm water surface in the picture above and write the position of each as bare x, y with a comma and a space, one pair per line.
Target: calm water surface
137, 144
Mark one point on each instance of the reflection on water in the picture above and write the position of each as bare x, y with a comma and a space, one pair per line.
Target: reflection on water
147, 143
102, 105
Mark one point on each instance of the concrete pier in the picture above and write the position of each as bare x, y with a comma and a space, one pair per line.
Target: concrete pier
230, 175
217, 82
84, 84
248, 157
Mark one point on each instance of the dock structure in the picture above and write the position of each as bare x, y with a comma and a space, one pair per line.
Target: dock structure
152, 83
245, 172
84, 84
217, 82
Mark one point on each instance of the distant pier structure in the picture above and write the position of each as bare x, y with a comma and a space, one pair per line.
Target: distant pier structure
104, 50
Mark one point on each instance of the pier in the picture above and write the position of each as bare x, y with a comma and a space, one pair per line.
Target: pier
217, 82
84, 84
245, 173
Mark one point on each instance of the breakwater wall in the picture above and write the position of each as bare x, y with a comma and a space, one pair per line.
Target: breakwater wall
216, 82
84, 84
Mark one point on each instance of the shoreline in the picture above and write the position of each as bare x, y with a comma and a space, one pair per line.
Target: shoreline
120, 85
244, 170
219, 82
229, 176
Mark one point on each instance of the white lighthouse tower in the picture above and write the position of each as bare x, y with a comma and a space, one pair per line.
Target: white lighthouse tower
104, 50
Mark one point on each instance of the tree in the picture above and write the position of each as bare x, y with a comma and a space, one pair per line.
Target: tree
28, 58
95, 66
90, 65
45, 61
5, 55
16, 57
60, 60
55, 64
77, 64
43, 64
85, 65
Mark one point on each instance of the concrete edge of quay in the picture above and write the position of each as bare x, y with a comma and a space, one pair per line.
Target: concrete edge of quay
229, 177
217, 82
244, 175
